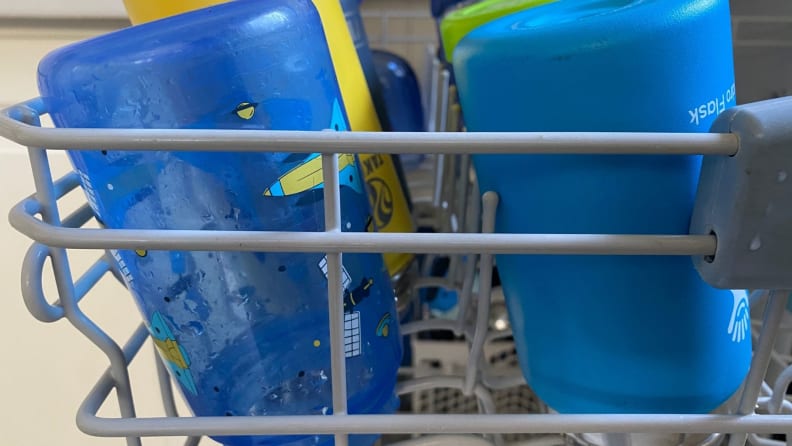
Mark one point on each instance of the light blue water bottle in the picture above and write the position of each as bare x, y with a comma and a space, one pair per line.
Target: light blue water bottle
242, 333
608, 333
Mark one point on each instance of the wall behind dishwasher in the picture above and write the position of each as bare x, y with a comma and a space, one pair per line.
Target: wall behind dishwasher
46, 370
762, 48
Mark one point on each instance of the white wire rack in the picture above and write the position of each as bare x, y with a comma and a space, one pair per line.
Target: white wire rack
466, 221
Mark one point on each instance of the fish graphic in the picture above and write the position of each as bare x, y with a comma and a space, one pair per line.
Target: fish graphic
246, 110
173, 353
337, 121
308, 174
383, 327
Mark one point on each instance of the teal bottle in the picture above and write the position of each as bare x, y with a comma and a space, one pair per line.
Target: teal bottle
608, 333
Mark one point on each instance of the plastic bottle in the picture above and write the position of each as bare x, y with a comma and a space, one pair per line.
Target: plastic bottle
243, 333
400, 90
457, 23
385, 186
637, 334
439, 9
142, 11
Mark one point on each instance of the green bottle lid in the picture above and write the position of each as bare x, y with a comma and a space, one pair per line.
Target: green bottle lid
458, 23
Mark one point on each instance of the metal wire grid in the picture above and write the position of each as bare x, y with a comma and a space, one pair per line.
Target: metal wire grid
449, 357
54, 235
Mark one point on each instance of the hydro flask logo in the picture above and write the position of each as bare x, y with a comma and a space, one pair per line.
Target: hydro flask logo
740, 320
383, 201
717, 105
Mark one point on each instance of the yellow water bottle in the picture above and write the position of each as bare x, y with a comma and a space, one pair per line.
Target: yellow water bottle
390, 208
142, 11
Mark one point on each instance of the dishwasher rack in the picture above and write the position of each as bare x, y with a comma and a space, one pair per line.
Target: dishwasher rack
762, 408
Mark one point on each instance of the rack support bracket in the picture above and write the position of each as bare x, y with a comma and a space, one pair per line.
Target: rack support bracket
745, 200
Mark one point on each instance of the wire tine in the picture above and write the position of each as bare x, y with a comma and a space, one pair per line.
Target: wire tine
332, 207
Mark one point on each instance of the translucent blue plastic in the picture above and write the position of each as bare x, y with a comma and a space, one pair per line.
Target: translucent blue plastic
242, 333
402, 99
400, 92
602, 333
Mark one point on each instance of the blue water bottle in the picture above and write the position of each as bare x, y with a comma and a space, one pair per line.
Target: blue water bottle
400, 91
608, 333
242, 333
402, 99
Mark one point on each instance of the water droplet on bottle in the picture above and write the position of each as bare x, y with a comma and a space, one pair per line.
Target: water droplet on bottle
324, 410
109, 186
196, 327
756, 243
191, 305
